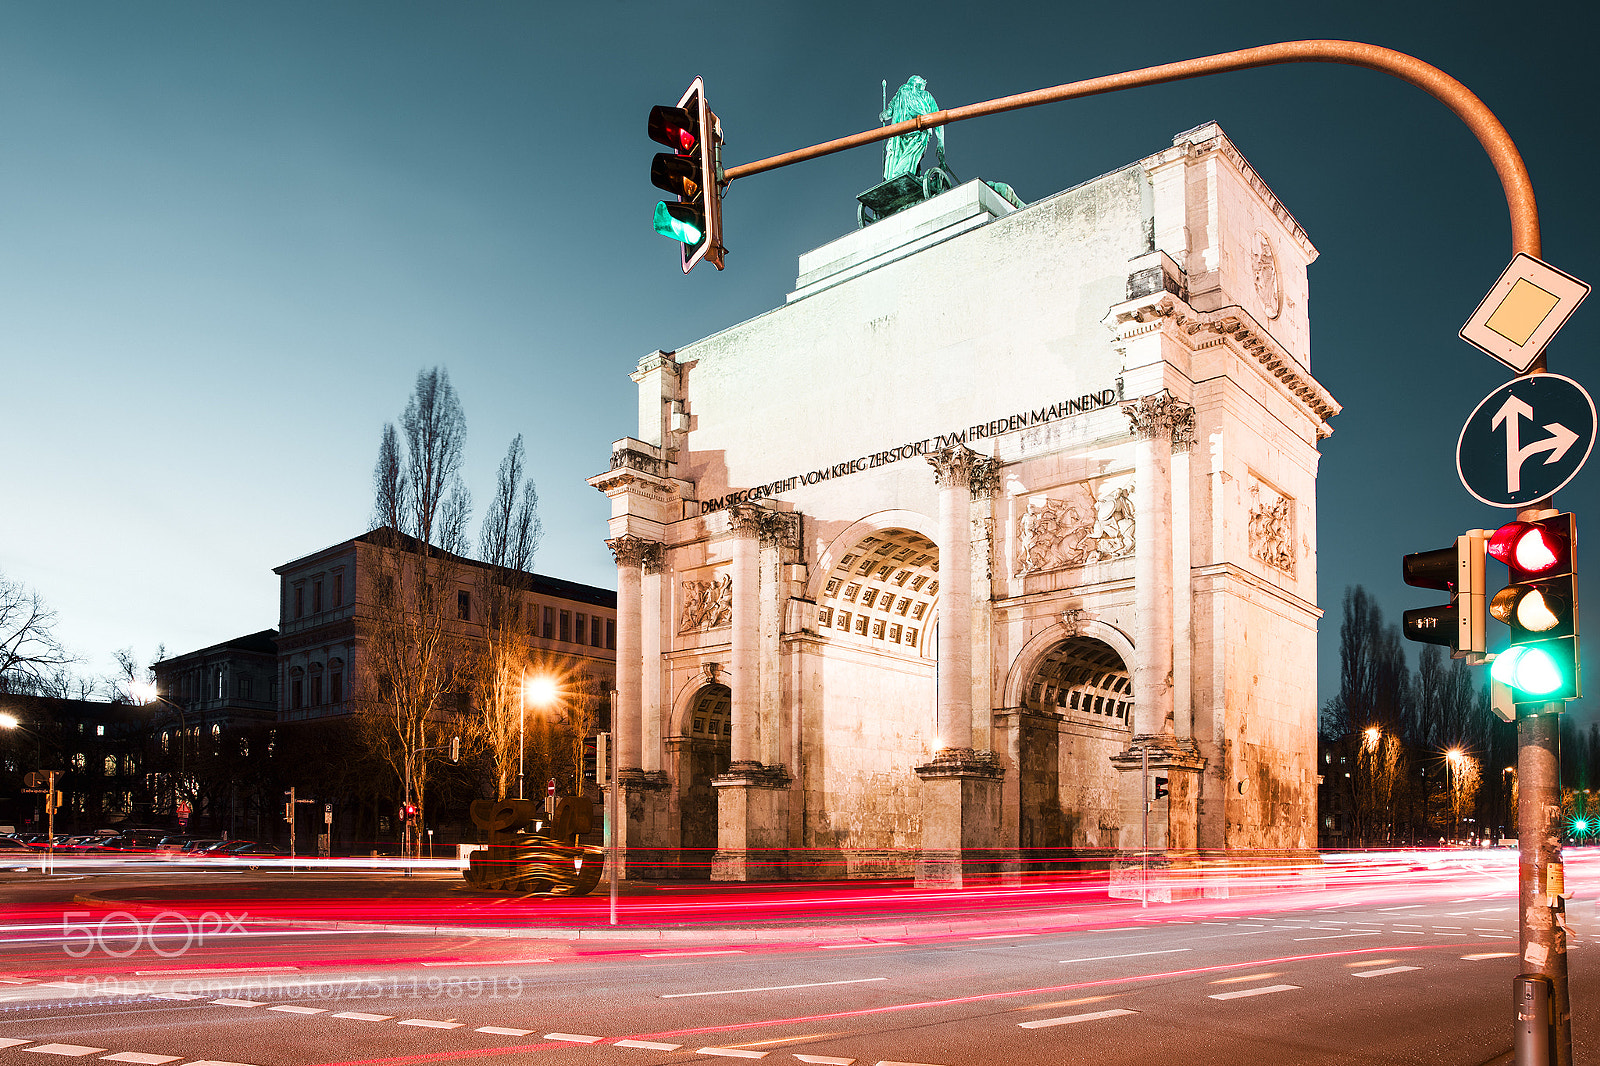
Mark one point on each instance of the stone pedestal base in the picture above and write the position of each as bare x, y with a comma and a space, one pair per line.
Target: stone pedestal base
644, 827
1174, 818
752, 823
960, 819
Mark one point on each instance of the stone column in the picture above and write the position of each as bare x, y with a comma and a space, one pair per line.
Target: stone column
745, 658
1157, 755
952, 472
651, 612
629, 553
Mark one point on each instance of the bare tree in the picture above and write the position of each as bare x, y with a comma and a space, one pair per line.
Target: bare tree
30, 655
415, 661
511, 529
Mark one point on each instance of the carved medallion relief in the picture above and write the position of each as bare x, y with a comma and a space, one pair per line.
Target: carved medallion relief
1091, 522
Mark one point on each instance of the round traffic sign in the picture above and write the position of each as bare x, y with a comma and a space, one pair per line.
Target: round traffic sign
1526, 440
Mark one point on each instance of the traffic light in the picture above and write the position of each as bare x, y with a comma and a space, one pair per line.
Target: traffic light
690, 172
1459, 625
408, 811
1540, 604
1161, 787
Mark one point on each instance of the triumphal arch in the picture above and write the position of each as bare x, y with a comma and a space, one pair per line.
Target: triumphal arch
1000, 529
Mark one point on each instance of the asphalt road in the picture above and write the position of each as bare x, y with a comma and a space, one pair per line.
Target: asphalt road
1380, 972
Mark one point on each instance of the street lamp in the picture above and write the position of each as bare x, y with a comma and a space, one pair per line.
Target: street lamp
1454, 759
11, 721
540, 690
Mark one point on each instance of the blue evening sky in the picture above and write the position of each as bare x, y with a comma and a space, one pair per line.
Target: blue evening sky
232, 234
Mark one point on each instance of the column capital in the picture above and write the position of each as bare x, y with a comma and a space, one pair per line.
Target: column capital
746, 519
956, 465
1161, 415
629, 550
653, 558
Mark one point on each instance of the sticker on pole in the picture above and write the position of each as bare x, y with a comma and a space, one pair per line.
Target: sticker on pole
1522, 312
1526, 440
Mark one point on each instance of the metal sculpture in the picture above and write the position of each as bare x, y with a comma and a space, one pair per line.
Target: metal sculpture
544, 860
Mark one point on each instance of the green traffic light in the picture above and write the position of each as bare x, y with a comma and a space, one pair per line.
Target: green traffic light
681, 224
1531, 671
1580, 825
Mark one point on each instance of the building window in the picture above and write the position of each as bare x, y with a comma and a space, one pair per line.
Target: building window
316, 690
582, 626
464, 605
296, 700
594, 631
336, 688
549, 623
299, 602
111, 766
338, 590
222, 685
611, 634
316, 597
99, 730
566, 625
244, 688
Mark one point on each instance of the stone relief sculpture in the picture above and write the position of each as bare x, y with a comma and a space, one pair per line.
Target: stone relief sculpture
1271, 530
1075, 531
707, 604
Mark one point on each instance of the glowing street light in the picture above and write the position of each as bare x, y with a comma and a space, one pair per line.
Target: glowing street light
541, 691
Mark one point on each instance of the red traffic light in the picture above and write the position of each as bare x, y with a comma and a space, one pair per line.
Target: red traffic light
1528, 547
674, 127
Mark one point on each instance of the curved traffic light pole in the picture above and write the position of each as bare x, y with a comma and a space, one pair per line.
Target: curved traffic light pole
1543, 939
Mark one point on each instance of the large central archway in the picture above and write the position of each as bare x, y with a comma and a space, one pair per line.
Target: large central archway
708, 731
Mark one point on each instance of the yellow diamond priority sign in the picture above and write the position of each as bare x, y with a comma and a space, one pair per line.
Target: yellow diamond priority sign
1522, 312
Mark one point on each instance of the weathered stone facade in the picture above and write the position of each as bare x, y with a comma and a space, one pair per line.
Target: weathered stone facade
1006, 512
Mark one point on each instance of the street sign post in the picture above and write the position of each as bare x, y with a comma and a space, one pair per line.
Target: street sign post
1523, 310
1526, 440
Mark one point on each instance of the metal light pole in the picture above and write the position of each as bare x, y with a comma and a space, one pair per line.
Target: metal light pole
145, 693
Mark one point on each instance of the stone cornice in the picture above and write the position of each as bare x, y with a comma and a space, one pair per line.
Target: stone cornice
1232, 325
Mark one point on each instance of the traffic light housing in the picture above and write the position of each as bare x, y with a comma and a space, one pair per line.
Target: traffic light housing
690, 171
1161, 788
1461, 624
408, 811
1540, 605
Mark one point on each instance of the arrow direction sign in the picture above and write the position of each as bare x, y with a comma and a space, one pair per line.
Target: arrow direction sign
1552, 413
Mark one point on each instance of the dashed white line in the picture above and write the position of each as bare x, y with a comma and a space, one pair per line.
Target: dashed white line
140, 1058
1245, 992
71, 1051
357, 1016
290, 1008
1075, 1018
496, 1030
1386, 970
1489, 955
216, 1062
430, 1023
176, 995
574, 1038
825, 1060
12, 1042
732, 1053
651, 1045
1336, 936
1130, 955
768, 988
239, 1002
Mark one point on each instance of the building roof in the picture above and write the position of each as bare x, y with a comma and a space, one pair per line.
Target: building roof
556, 587
262, 643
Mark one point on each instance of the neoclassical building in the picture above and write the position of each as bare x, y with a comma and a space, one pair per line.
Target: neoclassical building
999, 534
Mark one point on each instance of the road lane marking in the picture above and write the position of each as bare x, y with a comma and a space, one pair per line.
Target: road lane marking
825, 1060
1489, 955
495, 1030
886, 1062
357, 1016
1337, 936
573, 1038
140, 1058
175, 995
216, 1062
429, 1023
733, 1053
1076, 1018
685, 954
867, 944
1248, 932
1001, 936
71, 1051
1244, 992
239, 1002
289, 1008
769, 988
1384, 971
651, 1045
12, 1042
1130, 955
